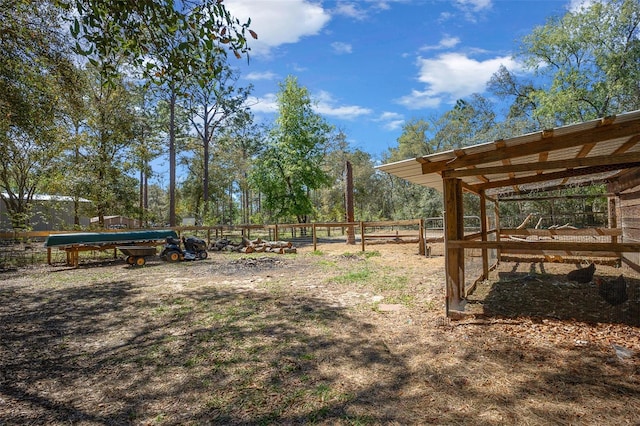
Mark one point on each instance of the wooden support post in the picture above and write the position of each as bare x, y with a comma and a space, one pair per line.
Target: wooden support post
496, 207
421, 248
315, 239
483, 230
454, 231
348, 197
49, 255
275, 233
362, 234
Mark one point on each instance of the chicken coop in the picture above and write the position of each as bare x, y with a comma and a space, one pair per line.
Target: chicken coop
603, 153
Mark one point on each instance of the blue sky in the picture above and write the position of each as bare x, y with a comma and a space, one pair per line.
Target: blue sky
371, 65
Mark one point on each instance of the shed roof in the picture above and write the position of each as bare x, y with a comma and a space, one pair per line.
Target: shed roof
603, 150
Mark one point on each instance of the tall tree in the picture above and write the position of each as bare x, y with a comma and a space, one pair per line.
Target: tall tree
241, 141
292, 164
35, 72
147, 143
213, 99
169, 40
109, 136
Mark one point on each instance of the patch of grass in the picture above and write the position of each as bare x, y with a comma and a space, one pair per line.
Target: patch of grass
354, 277
370, 254
317, 253
327, 264
403, 299
392, 283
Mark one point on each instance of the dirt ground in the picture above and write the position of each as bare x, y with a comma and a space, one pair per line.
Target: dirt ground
328, 337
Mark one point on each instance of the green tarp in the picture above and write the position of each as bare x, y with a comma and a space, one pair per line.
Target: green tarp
103, 238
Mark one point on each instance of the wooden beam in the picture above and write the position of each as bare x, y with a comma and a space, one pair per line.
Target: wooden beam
633, 141
551, 197
546, 245
582, 232
553, 188
553, 176
603, 160
547, 142
484, 226
454, 230
628, 180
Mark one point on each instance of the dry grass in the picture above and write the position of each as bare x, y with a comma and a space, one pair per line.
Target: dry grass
301, 339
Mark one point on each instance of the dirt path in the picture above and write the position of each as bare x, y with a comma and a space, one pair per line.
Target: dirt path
332, 337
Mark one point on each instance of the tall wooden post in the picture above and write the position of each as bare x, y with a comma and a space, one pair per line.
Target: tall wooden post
454, 231
348, 199
497, 220
484, 227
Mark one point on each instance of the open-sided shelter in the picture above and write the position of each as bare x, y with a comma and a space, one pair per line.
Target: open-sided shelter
600, 151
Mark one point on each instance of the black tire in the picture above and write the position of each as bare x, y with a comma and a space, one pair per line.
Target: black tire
203, 255
131, 260
140, 261
172, 256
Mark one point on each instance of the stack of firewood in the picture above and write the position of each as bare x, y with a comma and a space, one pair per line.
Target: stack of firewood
253, 246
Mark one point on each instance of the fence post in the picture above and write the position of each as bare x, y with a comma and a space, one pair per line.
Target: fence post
421, 248
315, 240
362, 234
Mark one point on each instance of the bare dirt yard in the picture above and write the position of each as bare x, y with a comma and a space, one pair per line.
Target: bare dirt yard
328, 337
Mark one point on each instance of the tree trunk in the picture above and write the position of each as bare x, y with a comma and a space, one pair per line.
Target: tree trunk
172, 158
205, 167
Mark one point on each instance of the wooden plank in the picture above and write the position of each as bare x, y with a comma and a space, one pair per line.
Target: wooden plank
584, 171
454, 230
546, 245
484, 226
573, 253
602, 160
582, 232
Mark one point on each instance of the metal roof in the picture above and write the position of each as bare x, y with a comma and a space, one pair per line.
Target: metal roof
600, 150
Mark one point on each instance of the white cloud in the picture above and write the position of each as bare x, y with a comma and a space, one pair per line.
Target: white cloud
473, 5
325, 105
452, 76
340, 48
577, 5
390, 120
278, 22
350, 10
446, 42
445, 16
266, 75
266, 104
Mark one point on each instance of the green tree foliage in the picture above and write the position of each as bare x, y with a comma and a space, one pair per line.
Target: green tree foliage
406, 200
292, 163
212, 104
135, 28
586, 64
147, 143
109, 130
36, 91
239, 143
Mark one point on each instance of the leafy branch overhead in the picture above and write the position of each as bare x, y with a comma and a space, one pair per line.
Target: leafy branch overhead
104, 29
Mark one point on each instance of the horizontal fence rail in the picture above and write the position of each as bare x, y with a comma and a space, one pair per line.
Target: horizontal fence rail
14, 244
